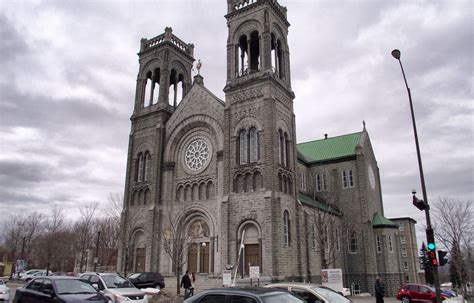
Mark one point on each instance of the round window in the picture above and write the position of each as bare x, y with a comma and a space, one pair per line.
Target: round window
197, 154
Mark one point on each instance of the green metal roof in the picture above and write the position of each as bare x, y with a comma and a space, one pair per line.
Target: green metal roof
330, 148
379, 221
307, 200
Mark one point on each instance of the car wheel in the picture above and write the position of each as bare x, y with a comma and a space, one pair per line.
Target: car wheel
157, 286
28, 280
405, 300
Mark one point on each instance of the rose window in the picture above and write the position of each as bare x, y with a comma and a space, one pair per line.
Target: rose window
197, 154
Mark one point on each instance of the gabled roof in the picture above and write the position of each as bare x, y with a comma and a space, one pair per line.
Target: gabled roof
329, 149
307, 200
379, 221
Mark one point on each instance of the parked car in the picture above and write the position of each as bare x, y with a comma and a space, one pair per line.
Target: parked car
4, 291
28, 272
58, 290
247, 295
147, 279
39, 273
417, 293
449, 293
312, 293
115, 287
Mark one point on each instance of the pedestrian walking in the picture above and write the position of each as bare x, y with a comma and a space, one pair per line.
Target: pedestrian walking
186, 284
193, 282
379, 290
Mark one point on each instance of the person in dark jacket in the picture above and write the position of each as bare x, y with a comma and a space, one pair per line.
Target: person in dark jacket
379, 291
186, 284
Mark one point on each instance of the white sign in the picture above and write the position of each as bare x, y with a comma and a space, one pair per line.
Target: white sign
332, 278
254, 272
227, 277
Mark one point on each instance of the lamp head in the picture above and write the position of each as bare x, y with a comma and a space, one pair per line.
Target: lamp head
396, 54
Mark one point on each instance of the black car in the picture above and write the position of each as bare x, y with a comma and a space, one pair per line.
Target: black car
58, 290
247, 295
147, 279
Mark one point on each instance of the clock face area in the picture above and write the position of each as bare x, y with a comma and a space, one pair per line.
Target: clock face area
197, 155
371, 174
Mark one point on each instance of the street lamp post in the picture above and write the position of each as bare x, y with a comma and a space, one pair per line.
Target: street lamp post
429, 230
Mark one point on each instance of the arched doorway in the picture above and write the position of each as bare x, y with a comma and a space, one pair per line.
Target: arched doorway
139, 252
199, 250
251, 253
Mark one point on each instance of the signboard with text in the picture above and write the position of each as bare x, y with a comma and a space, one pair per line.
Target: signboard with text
227, 278
332, 278
254, 272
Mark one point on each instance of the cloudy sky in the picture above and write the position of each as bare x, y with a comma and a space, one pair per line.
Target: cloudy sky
68, 71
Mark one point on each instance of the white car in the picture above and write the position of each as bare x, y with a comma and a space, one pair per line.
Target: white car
28, 277
4, 291
28, 272
312, 293
115, 287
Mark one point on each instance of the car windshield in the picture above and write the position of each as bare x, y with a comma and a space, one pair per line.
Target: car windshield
281, 297
72, 286
134, 276
114, 281
330, 295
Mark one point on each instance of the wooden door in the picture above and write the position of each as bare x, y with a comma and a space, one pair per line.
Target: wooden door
205, 258
252, 256
192, 257
140, 260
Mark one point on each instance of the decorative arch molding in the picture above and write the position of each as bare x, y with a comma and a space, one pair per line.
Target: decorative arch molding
247, 180
180, 69
195, 212
143, 147
189, 125
136, 233
246, 123
246, 28
276, 29
149, 67
245, 223
281, 124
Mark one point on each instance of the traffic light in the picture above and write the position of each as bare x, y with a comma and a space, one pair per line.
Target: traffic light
431, 240
420, 204
442, 257
431, 246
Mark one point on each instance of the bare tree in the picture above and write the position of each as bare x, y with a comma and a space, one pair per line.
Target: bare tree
84, 229
176, 238
326, 232
18, 233
454, 226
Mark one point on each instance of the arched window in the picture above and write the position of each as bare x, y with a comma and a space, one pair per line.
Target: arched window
147, 166
253, 134
248, 185
280, 183
180, 194
280, 146
140, 162
140, 198
187, 193
243, 146
257, 180
202, 191
210, 190
286, 228
254, 54
287, 151
146, 198
242, 57
195, 194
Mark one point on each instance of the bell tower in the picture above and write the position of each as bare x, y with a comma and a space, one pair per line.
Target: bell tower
260, 148
164, 78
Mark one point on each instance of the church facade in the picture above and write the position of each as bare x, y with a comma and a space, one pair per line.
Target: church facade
231, 174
